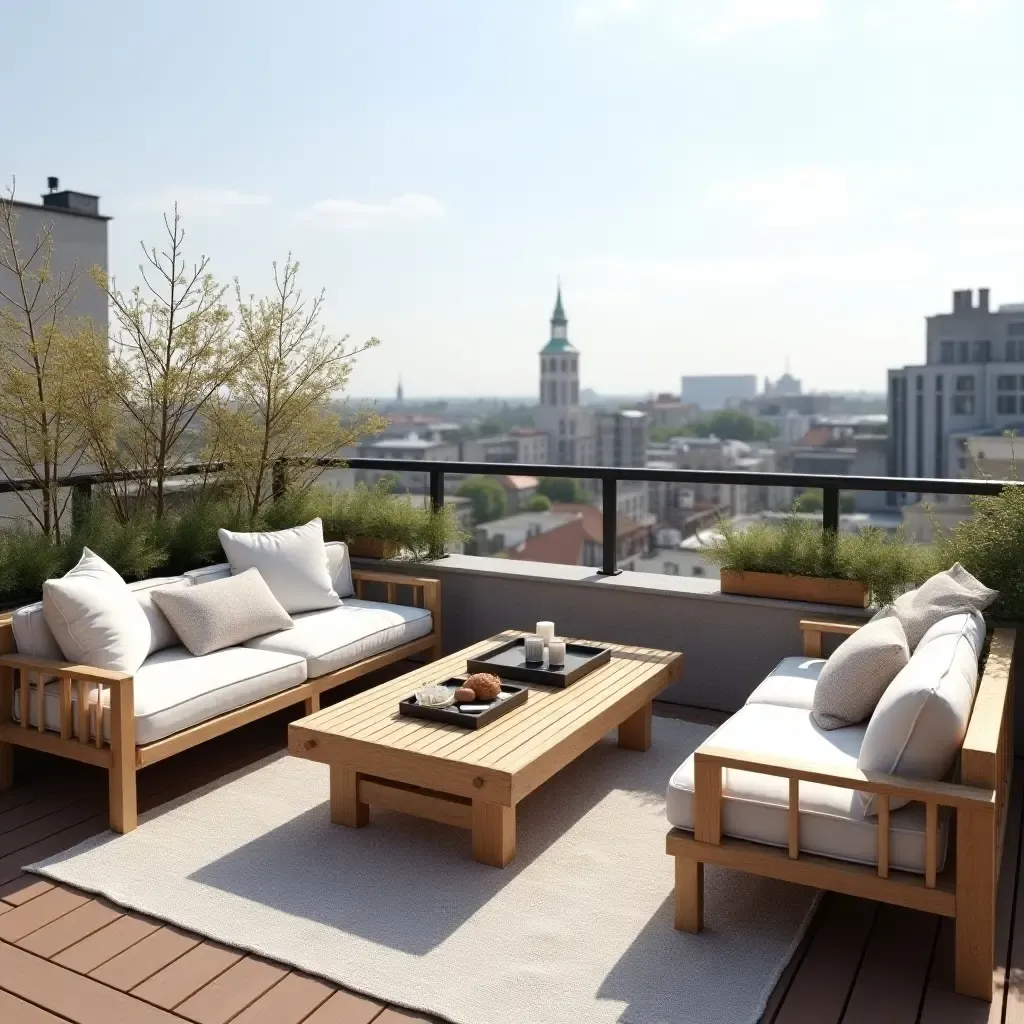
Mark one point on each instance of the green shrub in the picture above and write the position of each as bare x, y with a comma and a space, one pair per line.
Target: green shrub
799, 547
990, 545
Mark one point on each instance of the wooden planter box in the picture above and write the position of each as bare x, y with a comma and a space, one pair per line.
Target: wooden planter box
373, 547
851, 593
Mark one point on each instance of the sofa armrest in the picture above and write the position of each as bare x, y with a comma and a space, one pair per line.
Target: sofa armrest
426, 591
63, 669
814, 630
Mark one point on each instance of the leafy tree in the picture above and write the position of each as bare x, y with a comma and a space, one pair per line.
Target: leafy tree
487, 496
42, 350
728, 424
813, 501
562, 490
279, 404
538, 503
171, 354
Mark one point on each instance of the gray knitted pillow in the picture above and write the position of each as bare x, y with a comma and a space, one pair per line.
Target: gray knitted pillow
946, 593
855, 677
223, 613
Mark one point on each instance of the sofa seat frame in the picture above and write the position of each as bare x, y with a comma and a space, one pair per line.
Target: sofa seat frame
965, 890
81, 727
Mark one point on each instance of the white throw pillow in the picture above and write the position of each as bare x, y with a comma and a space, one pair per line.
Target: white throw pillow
163, 634
95, 618
293, 563
920, 722
858, 673
339, 565
952, 592
224, 613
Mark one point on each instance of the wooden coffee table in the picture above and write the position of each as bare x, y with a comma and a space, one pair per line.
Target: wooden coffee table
474, 778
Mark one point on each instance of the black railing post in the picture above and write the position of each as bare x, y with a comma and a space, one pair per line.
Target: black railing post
436, 506
830, 522
610, 527
81, 499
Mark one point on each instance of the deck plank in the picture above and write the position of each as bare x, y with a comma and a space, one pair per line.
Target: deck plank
827, 973
143, 960
71, 995
232, 991
187, 975
51, 939
29, 917
63, 839
346, 1008
107, 943
16, 1011
290, 1001
56, 821
24, 888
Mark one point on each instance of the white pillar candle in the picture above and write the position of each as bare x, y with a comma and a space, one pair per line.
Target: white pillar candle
556, 653
546, 631
534, 648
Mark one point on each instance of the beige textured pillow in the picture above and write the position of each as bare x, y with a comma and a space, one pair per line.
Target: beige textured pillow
859, 672
952, 592
224, 613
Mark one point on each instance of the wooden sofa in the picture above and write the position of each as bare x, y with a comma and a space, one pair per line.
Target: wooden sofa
84, 735
964, 889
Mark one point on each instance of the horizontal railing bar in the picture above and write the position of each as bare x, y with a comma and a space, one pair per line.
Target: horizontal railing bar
908, 485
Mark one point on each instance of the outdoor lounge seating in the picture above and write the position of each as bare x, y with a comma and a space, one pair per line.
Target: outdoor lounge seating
176, 700
772, 793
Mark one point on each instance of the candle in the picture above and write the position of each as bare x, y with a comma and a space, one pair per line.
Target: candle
534, 648
556, 653
546, 631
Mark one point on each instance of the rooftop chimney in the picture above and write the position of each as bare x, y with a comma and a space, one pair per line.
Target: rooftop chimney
983, 299
73, 202
962, 301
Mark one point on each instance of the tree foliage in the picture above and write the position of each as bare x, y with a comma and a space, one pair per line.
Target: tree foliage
727, 424
538, 503
42, 349
280, 401
813, 500
562, 490
487, 497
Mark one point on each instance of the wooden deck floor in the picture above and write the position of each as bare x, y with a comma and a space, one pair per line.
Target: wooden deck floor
66, 957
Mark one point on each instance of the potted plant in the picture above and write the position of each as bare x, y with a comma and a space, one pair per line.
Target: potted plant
798, 561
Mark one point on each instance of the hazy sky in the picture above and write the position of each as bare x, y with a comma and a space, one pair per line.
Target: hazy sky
721, 185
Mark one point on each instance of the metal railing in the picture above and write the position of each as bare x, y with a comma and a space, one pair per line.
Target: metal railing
831, 485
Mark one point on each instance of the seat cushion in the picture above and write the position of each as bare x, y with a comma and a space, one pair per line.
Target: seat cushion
832, 824
791, 684
336, 637
175, 690
920, 723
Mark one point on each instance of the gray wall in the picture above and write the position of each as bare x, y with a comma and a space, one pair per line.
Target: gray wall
730, 643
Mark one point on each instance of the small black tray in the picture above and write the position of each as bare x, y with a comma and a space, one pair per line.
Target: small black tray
509, 662
468, 720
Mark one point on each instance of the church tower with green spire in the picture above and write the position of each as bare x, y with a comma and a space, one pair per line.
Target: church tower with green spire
559, 413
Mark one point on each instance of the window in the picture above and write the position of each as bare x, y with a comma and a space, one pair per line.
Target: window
1006, 382
698, 570
575, 392
565, 366
670, 569
963, 405
947, 352
965, 383
962, 350
1006, 405
920, 383
981, 352
1015, 330
572, 428
938, 384
1011, 351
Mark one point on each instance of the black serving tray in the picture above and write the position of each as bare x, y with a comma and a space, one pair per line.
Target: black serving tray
509, 662
467, 720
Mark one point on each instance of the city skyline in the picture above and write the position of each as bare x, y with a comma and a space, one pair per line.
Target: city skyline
437, 170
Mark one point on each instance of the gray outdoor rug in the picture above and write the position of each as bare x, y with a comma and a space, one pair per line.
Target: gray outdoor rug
578, 928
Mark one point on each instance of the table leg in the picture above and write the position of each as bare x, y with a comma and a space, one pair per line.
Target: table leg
635, 731
346, 807
494, 833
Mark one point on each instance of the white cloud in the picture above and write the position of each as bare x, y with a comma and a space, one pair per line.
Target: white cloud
796, 196
199, 202
352, 213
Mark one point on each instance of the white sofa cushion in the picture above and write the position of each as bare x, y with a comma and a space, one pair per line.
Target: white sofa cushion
755, 807
161, 631
858, 672
791, 684
920, 723
336, 637
222, 614
292, 562
94, 617
208, 574
952, 592
339, 565
175, 690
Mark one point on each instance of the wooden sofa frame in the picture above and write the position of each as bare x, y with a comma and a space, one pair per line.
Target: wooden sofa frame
82, 739
965, 890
